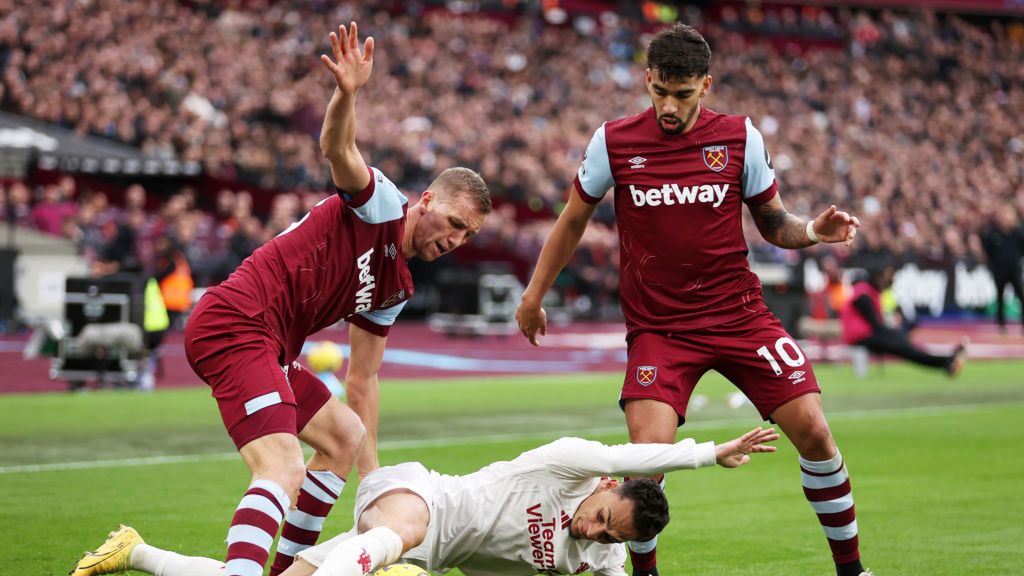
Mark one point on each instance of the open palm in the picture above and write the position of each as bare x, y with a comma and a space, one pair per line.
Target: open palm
737, 452
835, 226
350, 68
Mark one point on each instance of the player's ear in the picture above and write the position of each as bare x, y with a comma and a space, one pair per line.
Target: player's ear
706, 86
426, 201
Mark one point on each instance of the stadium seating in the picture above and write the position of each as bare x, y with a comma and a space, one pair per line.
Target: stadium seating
902, 117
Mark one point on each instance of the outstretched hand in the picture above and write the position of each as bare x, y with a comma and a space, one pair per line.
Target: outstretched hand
834, 226
350, 68
532, 319
737, 452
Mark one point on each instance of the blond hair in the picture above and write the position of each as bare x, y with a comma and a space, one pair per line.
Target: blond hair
463, 181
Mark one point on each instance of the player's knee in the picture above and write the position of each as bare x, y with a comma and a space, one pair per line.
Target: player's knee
346, 438
816, 441
292, 474
411, 533
276, 457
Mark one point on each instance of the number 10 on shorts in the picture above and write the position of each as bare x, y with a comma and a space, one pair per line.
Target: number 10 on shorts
785, 348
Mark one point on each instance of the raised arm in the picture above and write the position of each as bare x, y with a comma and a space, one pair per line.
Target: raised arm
578, 458
351, 70
788, 231
554, 255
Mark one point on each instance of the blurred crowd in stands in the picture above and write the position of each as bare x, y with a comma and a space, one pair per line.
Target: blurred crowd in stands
911, 120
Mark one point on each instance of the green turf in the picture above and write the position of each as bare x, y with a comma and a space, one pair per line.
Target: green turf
933, 462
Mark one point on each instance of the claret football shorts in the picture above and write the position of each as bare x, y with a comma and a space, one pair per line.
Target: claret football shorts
756, 354
238, 357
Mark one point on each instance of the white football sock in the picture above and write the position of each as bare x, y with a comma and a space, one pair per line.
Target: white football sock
159, 562
362, 554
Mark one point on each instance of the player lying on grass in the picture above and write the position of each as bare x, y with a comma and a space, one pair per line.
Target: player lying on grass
552, 510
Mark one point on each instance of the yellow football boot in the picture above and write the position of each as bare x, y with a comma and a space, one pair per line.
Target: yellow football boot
112, 556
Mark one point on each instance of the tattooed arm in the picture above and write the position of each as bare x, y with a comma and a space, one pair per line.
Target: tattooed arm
788, 231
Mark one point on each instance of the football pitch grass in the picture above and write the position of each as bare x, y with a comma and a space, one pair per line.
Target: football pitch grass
935, 466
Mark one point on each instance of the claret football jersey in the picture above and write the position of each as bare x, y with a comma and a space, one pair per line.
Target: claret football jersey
343, 260
678, 202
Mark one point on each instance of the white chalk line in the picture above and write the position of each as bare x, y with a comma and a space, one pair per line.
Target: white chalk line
853, 415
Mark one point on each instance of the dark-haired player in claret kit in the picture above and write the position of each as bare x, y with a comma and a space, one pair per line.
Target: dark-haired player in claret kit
681, 174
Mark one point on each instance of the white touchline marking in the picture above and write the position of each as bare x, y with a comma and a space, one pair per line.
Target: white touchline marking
852, 415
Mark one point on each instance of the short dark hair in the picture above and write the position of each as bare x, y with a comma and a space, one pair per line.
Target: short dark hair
463, 181
679, 53
650, 507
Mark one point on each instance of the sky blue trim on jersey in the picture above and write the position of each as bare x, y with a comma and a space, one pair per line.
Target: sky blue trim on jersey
386, 316
595, 171
386, 203
758, 173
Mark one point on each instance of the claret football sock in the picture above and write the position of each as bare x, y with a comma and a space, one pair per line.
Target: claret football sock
254, 526
850, 569
827, 487
643, 557
302, 526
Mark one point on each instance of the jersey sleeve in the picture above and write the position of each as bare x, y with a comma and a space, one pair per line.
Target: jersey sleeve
594, 178
378, 322
576, 458
758, 181
381, 201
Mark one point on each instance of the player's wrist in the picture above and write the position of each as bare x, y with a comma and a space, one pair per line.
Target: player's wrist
811, 234
531, 300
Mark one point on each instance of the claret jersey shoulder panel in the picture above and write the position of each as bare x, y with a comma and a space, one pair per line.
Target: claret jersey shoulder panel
342, 260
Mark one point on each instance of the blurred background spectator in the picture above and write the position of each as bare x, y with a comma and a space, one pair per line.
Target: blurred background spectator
912, 119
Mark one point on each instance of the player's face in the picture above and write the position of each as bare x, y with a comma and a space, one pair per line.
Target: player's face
444, 224
676, 102
604, 517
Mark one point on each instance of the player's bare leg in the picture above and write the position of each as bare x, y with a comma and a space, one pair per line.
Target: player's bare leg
391, 525
278, 458
824, 477
337, 434
403, 512
277, 472
649, 421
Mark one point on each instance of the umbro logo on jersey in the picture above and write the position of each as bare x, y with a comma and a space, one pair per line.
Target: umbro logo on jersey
390, 251
671, 194
637, 162
797, 377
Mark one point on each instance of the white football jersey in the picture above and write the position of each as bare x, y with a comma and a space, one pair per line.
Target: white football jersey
513, 518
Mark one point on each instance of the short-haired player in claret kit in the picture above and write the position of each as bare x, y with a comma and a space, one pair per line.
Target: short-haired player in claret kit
552, 510
681, 174
345, 260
